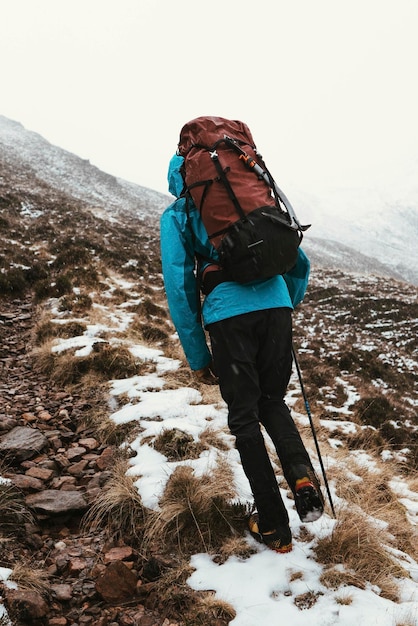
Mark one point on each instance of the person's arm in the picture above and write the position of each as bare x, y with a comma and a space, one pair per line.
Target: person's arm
182, 289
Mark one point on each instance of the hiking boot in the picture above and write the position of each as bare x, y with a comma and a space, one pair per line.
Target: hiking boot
279, 539
309, 500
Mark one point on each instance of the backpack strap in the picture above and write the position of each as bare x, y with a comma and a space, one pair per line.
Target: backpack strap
199, 183
223, 177
207, 280
263, 173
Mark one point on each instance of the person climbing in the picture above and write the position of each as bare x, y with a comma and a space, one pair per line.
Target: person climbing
250, 357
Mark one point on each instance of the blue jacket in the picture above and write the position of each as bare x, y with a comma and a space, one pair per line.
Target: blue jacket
181, 237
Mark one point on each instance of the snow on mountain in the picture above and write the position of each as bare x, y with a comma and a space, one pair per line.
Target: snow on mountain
359, 230
27, 152
381, 224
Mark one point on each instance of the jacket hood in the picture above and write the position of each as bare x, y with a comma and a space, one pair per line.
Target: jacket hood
175, 179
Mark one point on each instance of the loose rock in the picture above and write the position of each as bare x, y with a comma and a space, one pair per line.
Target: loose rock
23, 443
57, 502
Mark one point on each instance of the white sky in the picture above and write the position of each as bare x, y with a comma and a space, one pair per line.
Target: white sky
328, 87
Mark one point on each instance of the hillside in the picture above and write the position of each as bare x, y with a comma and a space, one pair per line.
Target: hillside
380, 224
129, 504
341, 237
32, 165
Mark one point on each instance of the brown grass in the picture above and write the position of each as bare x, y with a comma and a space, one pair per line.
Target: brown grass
236, 546
374, 496
358, 545
105, 360
30, 578
177, 445
196, 513
13, 511
118, 509
209, 610
107, 432
190, 607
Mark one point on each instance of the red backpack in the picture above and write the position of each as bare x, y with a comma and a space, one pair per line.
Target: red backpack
247, 217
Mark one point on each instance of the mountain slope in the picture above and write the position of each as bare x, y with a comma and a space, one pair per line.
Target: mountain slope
381, 224
32, 162
87, 288
344, 235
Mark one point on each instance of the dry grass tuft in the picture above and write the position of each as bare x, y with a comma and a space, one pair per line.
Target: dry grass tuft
211, 438
181, 377
106, 431
106, 361
196, 512
344, 599
209, 610
13, 511
307, 600
172, 588
373, 494
176, 445
359, 545
236, 547
29, 578
47, 329
118, 509
192, 608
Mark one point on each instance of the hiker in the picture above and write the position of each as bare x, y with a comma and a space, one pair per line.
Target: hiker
250, 357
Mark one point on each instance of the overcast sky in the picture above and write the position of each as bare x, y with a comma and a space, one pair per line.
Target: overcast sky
328, 87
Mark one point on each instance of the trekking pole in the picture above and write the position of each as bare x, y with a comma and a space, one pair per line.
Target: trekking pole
308, 411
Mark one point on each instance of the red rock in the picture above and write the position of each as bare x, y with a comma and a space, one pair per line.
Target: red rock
78, 468
39, 472
76, 565
117, 583
28, 604
56, 502
29, 417
44, 416
89, 443
23, 442
27, 483
62, 591
118, 554
105, 460
146, 620
63, 482
62, 461
75, 453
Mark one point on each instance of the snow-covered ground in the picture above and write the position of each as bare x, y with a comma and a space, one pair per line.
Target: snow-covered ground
262, 587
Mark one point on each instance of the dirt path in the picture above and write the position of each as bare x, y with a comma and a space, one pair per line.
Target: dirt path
58, 467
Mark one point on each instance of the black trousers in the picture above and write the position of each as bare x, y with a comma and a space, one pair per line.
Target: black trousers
252, 356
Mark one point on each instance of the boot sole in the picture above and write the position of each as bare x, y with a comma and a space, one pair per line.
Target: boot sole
308, 504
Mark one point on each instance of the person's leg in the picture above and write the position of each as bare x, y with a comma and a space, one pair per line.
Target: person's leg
274, 367
235, 347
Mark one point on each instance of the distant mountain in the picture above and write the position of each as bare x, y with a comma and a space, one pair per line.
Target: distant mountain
352, 231
381, 224
331, 254
32, 162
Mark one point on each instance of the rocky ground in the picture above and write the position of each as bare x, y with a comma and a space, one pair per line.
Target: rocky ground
57, 464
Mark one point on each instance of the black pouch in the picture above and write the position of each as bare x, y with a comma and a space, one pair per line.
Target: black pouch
259, 246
